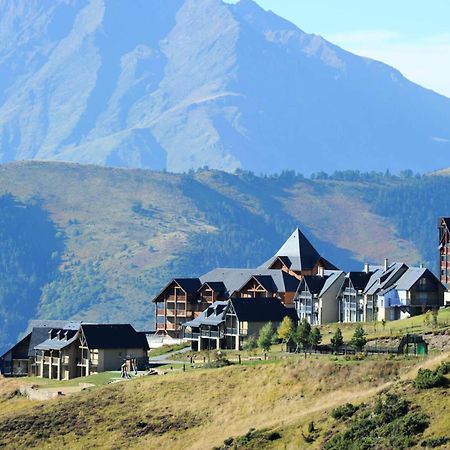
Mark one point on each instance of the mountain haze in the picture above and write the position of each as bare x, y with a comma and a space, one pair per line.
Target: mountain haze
180, 84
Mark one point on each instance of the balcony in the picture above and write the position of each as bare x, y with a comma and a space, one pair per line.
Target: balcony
213, 334
231, 331
191, 335
160, 311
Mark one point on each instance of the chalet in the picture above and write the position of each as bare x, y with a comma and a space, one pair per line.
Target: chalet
382, 278
416, 291
183, 300
444, 255
317, 297
20, 359
225, 324
351, 301
63, 351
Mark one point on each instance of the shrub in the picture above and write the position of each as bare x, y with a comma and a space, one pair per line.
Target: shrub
389, 424
428, 379
435, 442
444, 368
344, 412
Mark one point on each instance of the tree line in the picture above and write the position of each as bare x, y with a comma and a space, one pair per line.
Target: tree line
303, 336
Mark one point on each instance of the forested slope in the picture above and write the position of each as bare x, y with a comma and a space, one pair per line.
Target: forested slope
114, 236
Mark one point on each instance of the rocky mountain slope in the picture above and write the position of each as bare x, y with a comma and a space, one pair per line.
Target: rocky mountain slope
181, 84
113, 237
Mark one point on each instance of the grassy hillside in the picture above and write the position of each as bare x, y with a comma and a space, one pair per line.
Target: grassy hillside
206, 408
124, 233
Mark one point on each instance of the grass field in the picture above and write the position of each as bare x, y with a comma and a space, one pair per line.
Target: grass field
201, 408
375, 330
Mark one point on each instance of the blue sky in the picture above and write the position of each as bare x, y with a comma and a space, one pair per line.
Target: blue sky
411, 35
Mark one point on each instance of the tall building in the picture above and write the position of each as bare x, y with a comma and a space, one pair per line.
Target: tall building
444, 250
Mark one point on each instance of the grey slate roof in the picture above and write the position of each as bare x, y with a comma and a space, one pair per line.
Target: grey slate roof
235, 279
315, 283
410, 277
39, 330
261, 310
358, 280
298, 254
213, 315
190, 285
382, 280
333, 276
112, 336
58, 344
216, 286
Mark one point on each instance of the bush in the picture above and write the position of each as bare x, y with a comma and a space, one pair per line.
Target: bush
444, 368
435, 442
389, 424
428, 379
344, 412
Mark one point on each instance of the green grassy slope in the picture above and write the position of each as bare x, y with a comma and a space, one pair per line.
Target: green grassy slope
126, 232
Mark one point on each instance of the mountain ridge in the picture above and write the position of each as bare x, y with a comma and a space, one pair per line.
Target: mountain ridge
207, 84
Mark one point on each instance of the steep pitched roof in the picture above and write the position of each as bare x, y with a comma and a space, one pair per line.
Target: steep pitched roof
189, 285
382, 279
315, 283
235, 279
212, 315
58, 344
359, 280
446, 221
261, 310
333, 276
108, 336
298, 254
216, 286
410, 278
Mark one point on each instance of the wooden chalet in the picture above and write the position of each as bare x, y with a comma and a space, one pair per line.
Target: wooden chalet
226, 324
63, 351
183, 299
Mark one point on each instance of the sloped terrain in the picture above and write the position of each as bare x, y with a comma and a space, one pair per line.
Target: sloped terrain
120, 235
181, 84
202, 408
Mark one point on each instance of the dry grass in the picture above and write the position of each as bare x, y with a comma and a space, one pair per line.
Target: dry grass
201, 408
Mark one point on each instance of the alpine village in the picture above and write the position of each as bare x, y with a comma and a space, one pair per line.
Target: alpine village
221, 232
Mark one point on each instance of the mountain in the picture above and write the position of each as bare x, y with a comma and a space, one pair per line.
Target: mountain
95, 243
180, 84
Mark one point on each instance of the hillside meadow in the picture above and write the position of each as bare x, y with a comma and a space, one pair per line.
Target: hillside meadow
114, 237
261, 405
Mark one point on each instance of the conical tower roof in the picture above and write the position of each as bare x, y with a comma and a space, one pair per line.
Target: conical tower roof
301, 253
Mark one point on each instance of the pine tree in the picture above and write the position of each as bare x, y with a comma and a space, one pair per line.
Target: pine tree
316, 337
359, 338
302, 335
337, 340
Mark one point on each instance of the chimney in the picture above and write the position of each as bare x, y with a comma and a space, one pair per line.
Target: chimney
321, 271
421, 265
366, 267
386, 264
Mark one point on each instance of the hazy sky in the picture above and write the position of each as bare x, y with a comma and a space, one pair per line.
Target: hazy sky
411, 35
